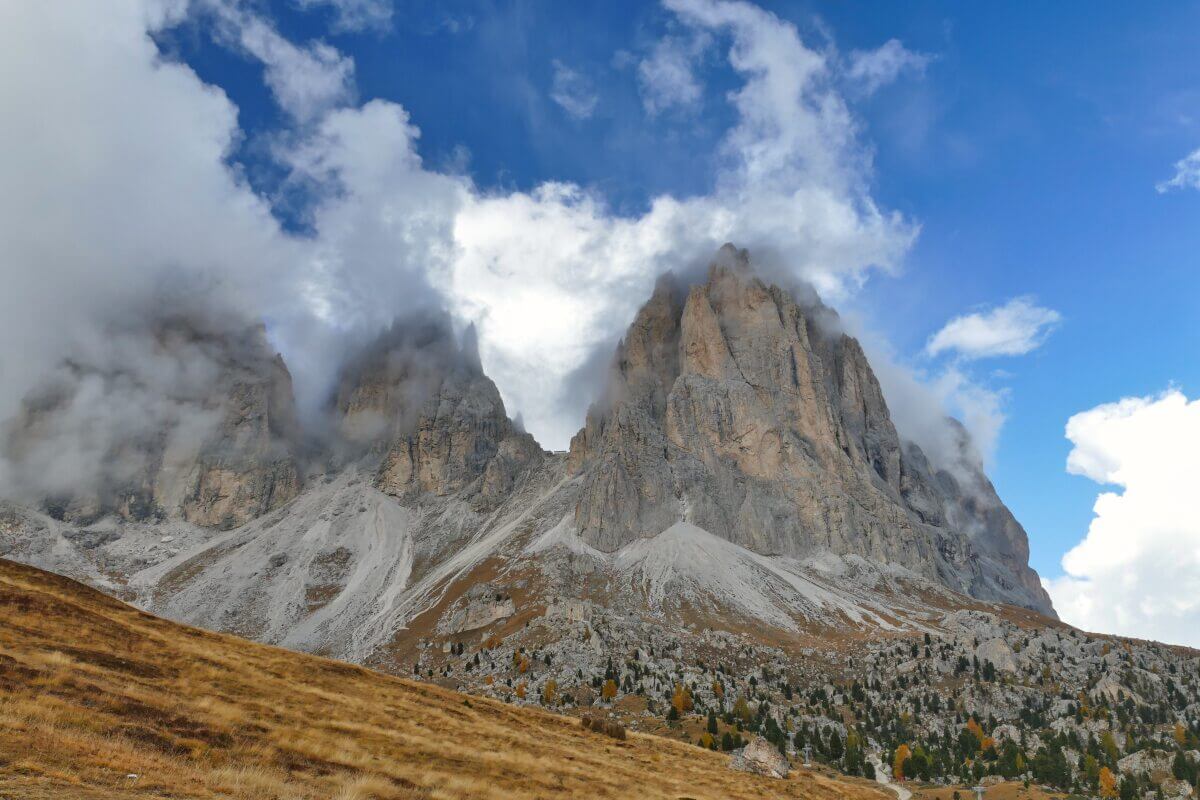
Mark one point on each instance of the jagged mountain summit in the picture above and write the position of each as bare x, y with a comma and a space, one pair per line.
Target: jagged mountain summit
734, 408
741, 471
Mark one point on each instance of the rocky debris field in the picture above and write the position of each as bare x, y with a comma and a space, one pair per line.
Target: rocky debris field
977, 697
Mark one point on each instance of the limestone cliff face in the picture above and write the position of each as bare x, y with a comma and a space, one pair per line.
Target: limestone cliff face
422, 402
190, 419
250, 466
731, 407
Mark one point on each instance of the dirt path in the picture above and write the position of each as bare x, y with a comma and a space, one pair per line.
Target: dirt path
883, 778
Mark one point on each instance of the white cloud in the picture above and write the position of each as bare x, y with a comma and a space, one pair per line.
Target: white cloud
919, 403
356, 15
1015, 328
1137, 572
874, 69
1187, 174
574, 92
667, 78
114, 175
305, 81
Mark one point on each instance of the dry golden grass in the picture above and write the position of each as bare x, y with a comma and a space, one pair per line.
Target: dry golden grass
94, 692
1009, 790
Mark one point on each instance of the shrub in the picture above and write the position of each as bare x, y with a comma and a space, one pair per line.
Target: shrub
615, 730
609, 728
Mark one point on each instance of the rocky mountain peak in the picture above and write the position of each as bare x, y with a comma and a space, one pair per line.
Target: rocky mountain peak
418, 396
734, 408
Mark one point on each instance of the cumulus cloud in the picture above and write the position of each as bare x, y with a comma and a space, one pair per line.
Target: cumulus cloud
1015, 328
1187, 174
1137, 571
573, 91
667, 78
874, 69
356, 15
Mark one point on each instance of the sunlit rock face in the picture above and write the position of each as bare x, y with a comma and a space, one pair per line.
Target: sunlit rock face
421, 399
736, 408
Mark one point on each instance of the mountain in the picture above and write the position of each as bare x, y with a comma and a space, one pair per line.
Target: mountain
739, 528
739, 427
99, 700
735, 409
422, 400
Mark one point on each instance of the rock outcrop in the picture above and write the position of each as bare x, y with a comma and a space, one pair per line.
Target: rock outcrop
735, 408
422, 401
760, 758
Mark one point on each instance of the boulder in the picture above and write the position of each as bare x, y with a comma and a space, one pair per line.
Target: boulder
999, 653
761, 758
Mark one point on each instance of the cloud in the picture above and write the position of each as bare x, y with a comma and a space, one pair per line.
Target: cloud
1015, 328
356, 15
115, 176
572, 91
1187, 174
874, 69
305, 81
1137, 572
667, 78
919, 403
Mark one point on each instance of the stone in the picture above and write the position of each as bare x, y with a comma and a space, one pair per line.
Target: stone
482, 605
761, 758
999, 653
1155, 763
1173, 787
91, 539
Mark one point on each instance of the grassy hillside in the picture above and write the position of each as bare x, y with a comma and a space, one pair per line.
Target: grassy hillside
99, 700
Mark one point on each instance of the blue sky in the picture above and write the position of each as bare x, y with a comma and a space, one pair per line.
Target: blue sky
1005, 151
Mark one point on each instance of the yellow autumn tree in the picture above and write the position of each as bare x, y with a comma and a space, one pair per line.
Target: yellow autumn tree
681, 698
902, 755
1108, 783
976, 731
706, 740
1180, 735
741, 710
609, 690
521, 690
718, 690
549, 691
523, 667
